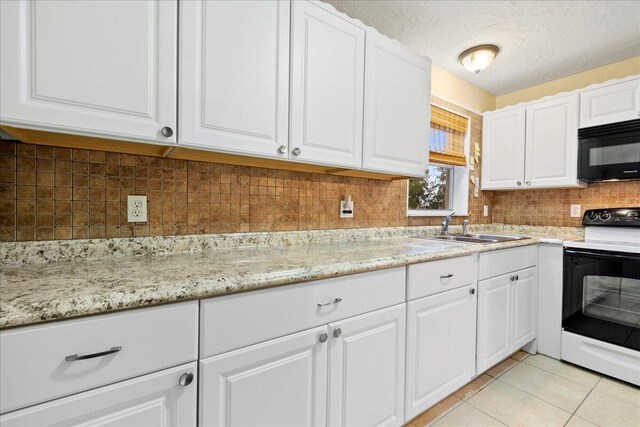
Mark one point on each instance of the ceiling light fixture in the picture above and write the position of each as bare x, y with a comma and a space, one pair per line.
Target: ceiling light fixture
478, 58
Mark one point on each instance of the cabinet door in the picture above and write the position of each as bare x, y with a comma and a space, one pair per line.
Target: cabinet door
525, 307
397, 108
366, 356
441, 347
282, 382
503, 149
151, 400
234, 76
614, 103
327, 85
494, 321
104, 68
552, 143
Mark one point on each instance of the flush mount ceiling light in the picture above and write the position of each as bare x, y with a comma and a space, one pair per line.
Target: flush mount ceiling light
478, 58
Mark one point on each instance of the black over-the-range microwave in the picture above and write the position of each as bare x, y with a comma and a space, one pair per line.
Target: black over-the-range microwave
609, 152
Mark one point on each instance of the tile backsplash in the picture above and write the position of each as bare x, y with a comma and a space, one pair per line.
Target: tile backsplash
552, 207
59, 193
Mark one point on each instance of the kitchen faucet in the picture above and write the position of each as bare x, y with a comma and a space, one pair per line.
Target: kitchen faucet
445, 223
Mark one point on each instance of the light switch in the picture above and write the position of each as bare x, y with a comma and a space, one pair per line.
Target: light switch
485, 212
137, 208
346, 208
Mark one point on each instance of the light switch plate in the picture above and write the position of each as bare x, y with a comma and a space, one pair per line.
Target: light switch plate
575, 211
346, 208
485, 212
137, 208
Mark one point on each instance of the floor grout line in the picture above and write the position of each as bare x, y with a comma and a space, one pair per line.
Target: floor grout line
583, 400
536, 397
564, 378
569, 379
489, 415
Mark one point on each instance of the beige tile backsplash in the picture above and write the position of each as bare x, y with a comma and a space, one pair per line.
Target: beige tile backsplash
59, 193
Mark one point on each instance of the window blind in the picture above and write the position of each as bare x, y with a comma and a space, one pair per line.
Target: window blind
446, 138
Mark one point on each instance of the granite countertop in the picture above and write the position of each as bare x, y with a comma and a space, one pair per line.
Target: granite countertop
45, 291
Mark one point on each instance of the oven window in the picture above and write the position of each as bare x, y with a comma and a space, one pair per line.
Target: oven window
614, 154
614, 299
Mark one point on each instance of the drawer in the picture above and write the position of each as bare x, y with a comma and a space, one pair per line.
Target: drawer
432, 277
495, 263
34, 364
234, 321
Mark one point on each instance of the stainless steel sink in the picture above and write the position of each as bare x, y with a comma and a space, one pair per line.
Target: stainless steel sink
460, 238
477, 238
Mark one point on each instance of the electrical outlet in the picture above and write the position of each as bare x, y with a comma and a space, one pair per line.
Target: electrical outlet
137, 208
575, 211
485, 212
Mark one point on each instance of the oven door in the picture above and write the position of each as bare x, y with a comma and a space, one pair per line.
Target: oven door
601, 296
609, 157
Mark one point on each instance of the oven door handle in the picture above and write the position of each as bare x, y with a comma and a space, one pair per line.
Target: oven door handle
603, 255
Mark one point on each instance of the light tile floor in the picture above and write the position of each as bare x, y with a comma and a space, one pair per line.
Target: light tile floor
537, 391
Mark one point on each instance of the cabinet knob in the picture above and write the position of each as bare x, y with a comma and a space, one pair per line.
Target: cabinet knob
512, 278
167, 132
324, 337
472, 291
337, 332
528, 183
519, 183
282, 149
517, 277
296, 151
186, 379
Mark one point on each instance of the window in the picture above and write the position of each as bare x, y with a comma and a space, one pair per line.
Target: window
433, 191
445, 188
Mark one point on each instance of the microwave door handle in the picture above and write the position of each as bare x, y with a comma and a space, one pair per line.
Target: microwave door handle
603, 255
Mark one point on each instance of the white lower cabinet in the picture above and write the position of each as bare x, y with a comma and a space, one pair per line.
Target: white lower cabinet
441, 339
525, 305
158, 399
366, 369
507, 315
282, 382
352, 370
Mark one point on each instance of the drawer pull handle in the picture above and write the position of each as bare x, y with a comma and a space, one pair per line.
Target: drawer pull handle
75, 357
335, 301
448, 276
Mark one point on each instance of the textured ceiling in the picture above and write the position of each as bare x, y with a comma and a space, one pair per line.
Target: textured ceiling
539, 40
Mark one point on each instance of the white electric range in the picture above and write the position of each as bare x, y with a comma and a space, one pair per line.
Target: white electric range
601, 294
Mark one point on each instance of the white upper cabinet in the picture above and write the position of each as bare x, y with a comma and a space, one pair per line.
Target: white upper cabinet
503, 148
532, 146
552, 143
397, 108
234, 76
609, 104
104, 69
327, 84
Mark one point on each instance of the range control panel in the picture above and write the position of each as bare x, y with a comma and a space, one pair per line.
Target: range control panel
613, 217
